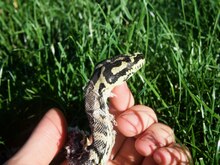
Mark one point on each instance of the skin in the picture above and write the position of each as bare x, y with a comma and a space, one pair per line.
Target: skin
140, 138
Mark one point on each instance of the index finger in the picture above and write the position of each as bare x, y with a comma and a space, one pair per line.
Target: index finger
122, 98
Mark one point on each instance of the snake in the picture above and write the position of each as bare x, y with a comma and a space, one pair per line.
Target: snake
95, 148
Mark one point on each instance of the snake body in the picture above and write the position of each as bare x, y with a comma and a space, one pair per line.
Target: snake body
109, 73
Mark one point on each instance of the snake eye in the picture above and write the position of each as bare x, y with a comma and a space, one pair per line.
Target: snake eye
111, 79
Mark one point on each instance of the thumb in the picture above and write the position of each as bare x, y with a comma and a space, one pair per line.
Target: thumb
44, 143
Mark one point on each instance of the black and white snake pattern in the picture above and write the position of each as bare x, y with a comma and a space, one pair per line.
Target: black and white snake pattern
96, 149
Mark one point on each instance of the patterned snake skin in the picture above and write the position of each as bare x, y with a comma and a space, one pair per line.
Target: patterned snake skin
96, 149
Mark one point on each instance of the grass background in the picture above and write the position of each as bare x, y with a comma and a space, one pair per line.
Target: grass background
48, 50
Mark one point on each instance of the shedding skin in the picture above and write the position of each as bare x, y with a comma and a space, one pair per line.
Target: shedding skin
107, 75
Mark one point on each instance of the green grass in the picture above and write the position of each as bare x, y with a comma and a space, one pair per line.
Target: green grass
48, 50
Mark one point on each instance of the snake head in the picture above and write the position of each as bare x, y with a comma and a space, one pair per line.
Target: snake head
112, 72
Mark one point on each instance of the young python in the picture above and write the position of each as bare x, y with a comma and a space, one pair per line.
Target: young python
108, 74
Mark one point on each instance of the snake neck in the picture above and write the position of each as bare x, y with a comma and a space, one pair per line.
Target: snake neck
101, 124
96, 151
96, 100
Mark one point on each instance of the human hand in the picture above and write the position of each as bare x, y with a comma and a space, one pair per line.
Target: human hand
140, 138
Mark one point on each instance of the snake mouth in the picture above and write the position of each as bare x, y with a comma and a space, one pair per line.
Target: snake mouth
139, 64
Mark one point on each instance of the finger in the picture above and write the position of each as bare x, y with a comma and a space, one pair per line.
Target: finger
118, 145
135, 120
127, 155
45, 141
149, 160
173, 154
156, 136
122, 100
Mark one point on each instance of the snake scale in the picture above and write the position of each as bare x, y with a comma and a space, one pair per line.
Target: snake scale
95, 150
